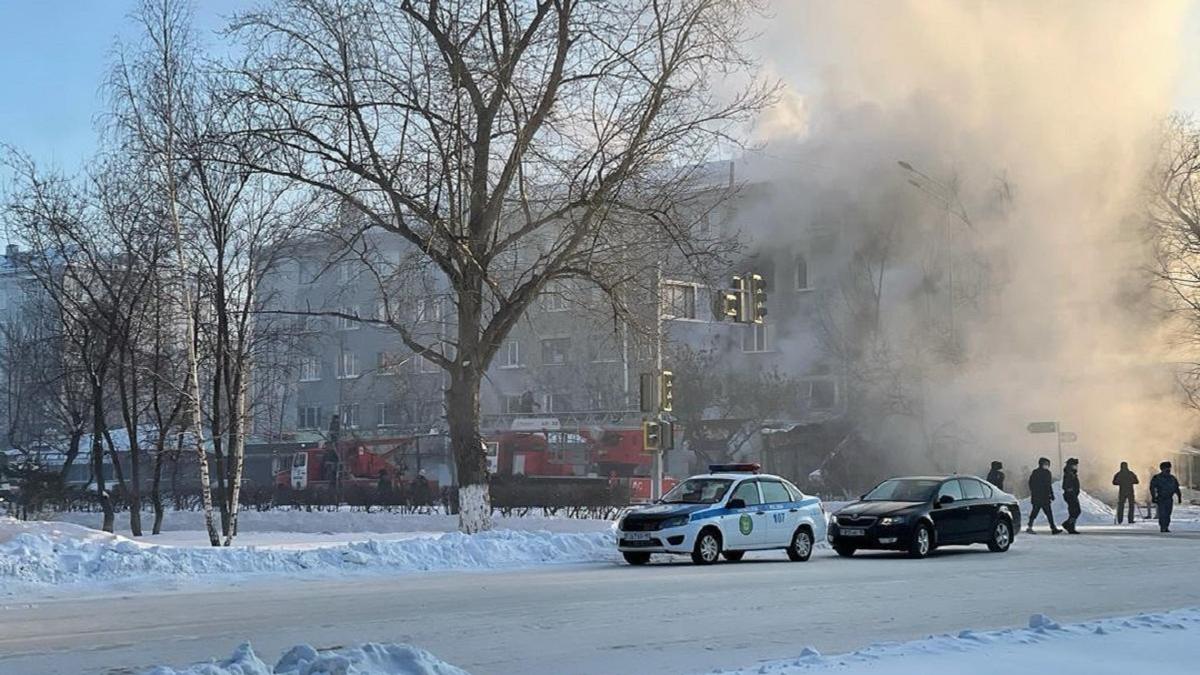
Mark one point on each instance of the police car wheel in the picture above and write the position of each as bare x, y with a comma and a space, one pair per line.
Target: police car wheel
733, 556
636, 557
1001, 537
922, 542
802, 545
707, 549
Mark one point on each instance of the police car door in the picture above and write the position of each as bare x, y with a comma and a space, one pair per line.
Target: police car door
783, 516
745, 527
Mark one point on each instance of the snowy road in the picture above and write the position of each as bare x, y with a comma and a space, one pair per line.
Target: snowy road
613, 619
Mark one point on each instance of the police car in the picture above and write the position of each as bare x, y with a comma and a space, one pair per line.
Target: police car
731, 510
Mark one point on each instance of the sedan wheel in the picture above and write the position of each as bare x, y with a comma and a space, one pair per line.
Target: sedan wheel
922, 542
1001, 537
802, 545
707, 549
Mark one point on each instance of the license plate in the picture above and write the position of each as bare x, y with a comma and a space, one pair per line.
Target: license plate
636, 536
853, 532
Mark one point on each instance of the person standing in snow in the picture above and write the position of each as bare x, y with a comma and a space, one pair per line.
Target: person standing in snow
1125, 480
1041, 494
996, 475
420, 490
1070, 490
1164, 486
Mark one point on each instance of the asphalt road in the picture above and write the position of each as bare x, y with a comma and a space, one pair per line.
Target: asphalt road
608, 618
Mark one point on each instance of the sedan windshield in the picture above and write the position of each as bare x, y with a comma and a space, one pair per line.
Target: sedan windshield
698, 491
903, 490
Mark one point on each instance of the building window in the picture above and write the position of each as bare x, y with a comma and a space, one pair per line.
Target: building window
345, 273
510, 354
822, 394
310, 369
387, 364
425, 365
346, 323
429, 309
555, 351
305, 271
556, 403
679, 300
389, 414
348, 414
802, 273
554, 298
603, 350
512, 404
757, 338
347, 365
308, 417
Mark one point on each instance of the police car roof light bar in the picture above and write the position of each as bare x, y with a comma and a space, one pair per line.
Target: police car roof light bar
734, 468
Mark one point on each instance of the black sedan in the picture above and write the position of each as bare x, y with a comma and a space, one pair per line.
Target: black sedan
921, 513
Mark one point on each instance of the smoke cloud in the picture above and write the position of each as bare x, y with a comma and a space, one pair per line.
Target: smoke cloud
1010, 280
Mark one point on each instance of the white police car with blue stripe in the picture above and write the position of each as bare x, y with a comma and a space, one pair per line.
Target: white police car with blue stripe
731, 510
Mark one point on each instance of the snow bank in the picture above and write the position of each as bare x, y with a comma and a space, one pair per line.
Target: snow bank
369, 659
55, 553
1147, 643
1094, 511
341, 521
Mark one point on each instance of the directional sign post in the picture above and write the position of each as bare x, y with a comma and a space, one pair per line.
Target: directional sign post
1049, 428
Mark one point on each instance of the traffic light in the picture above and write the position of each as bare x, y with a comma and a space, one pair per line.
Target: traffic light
666, 434
666, 391
648, 393
758, 298
652, 435
735, 301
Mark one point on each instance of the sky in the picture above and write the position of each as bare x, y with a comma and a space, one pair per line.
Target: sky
53, 55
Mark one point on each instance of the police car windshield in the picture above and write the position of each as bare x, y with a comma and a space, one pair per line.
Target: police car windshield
903, 490
698, 491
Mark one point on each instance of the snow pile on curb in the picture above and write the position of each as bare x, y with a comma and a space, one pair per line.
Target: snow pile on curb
1094, 511
340, 521
1146, 643
369, 659
54, 553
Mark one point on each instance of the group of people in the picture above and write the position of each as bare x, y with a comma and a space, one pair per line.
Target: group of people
1164, 491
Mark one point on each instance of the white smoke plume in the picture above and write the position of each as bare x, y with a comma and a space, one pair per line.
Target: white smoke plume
1044, 117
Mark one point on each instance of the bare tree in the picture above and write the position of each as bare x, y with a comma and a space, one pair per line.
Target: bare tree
1174, 216
508, 144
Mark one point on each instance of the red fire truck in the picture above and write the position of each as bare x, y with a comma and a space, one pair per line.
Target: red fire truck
361, 462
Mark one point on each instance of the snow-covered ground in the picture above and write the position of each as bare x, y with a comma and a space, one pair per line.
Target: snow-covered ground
1146, 643
39, 552
1141, 643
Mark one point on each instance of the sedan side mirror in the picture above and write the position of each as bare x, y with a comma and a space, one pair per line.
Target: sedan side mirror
944, 500
736, 504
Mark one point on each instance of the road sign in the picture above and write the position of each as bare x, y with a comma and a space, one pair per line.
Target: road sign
1042, 427
1067, 437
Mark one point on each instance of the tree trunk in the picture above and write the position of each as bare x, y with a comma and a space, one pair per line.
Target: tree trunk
462, 418
156, 483
197, 426
98, 457
237, 447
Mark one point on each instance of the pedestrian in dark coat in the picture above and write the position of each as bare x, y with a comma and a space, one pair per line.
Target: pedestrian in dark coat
1164, 486
1041, 494
996, 475
1070, 489
1125, 480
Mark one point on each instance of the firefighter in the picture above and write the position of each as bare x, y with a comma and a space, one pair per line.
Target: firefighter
1125, 480
996, 475
420, 490
1070, 490
384, 487
329, 464
1041, 494
1164, 486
